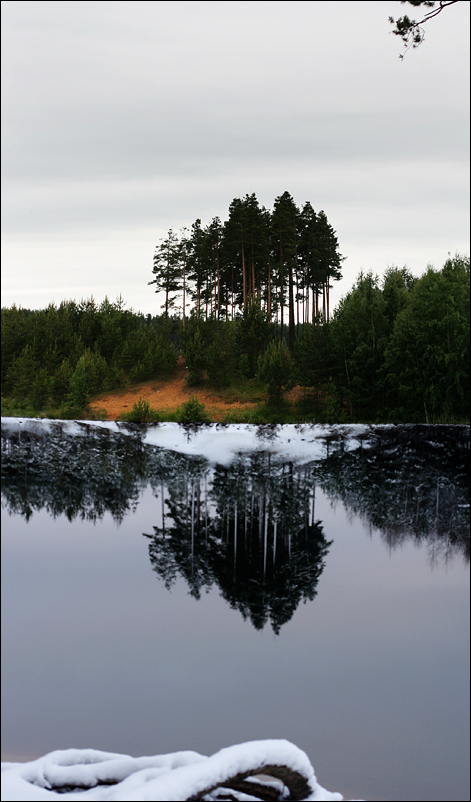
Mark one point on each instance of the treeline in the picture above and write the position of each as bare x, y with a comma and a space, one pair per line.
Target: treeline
396, 349
401, 347
284, 260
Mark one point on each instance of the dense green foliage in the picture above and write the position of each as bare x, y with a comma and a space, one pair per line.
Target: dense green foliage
396, 349
401, 350
275, 368
60, 357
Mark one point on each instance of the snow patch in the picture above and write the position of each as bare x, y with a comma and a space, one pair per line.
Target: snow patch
216, 442
93, 775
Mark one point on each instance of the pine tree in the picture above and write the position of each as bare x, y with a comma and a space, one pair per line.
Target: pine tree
197, 264
213, 235
359, 337
257, 227
284, 225
428, 355
308, 257
235, 248
328, 259
167, 270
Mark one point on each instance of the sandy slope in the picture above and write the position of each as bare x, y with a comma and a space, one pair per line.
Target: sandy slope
165, 395
168, 394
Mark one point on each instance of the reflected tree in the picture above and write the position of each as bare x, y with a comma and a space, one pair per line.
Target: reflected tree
248, 529
179, 546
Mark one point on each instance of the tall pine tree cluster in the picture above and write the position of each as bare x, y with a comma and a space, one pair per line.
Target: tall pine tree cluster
284, 260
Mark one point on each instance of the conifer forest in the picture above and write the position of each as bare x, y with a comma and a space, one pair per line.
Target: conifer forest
247, 300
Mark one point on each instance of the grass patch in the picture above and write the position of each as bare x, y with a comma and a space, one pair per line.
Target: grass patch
243, 391
241, 416
14, 408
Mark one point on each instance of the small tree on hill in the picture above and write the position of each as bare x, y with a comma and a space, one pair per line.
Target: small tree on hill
276, 369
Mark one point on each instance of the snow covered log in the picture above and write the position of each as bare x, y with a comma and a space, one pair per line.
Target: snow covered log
256, 770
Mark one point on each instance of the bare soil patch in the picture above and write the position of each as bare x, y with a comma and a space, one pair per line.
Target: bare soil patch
166, 395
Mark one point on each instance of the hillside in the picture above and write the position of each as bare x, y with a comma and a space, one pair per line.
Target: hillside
167, 394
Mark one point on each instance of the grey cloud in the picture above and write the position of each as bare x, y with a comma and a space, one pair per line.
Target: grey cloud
127, 145
127, 117
143, 89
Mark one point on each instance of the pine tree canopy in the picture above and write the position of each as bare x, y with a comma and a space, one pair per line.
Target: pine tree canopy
283, 260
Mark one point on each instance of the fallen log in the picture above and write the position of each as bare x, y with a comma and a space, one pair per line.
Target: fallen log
268, 771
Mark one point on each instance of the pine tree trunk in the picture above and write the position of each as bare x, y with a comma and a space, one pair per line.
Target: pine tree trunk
244, 278
297, 296
232, 288
269, 293
290, 307
184, 289
281, 290
281, 309
219, 282
253, 272
166, 288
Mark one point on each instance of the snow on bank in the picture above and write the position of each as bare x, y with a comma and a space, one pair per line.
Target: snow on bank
92, 775
217, 442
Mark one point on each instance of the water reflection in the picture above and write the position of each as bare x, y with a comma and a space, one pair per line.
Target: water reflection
408, 482
250, 528
80, 476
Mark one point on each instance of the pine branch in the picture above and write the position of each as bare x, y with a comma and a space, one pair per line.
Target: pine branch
411, 31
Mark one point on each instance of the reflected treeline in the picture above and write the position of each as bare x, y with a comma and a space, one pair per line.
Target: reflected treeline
409, 482
82, 475
250, 528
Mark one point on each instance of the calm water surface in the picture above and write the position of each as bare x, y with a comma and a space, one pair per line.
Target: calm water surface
326, 603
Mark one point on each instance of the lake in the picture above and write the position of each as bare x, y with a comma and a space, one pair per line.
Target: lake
308, 583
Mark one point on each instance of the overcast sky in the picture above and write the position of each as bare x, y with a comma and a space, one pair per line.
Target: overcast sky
123, 119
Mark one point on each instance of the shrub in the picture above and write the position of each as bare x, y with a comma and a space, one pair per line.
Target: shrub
253, 336
15, 408
88, 378
275, 368
193, 411
70, 412
195, 357
59, 382
141, 412
219, 359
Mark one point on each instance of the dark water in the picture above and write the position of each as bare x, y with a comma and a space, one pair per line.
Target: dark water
326, 603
